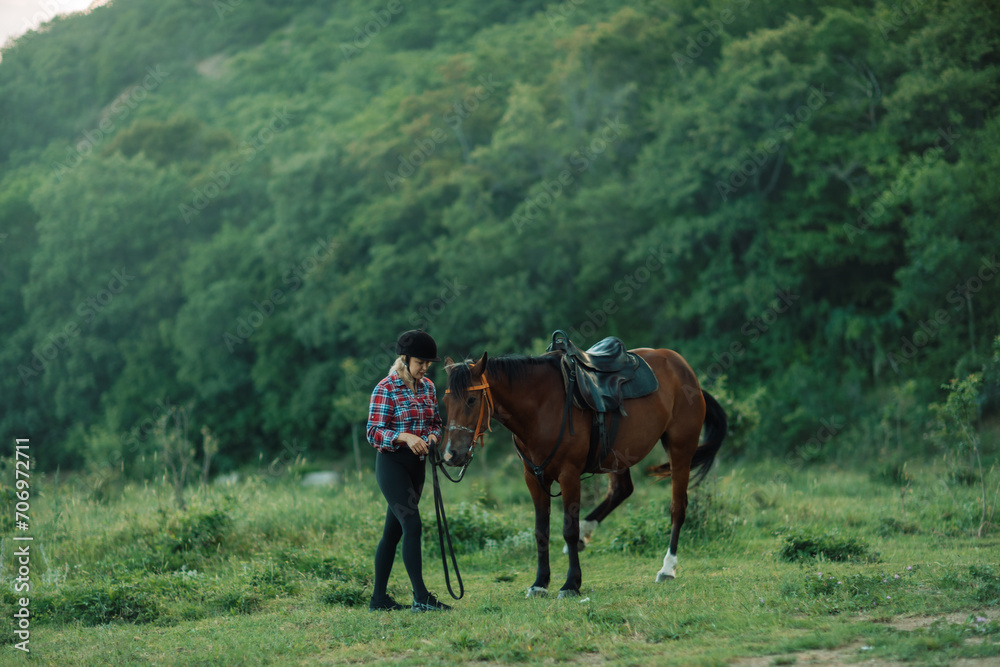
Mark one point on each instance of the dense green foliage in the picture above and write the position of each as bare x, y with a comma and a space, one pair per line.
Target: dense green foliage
238, 206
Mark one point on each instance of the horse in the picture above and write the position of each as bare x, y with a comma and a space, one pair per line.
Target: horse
527, 395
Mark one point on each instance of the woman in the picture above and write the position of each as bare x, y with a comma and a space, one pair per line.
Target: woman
403, 424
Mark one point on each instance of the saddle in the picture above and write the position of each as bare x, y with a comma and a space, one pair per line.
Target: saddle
600, 380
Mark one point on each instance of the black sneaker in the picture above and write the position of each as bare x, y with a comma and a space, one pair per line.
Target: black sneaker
384, 603
429, 603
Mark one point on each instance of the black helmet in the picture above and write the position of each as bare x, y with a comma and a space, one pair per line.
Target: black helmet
419, 344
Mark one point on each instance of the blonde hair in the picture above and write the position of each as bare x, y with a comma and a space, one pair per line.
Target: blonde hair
403, 370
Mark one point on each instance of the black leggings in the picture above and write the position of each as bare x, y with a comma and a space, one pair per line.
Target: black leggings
400, 476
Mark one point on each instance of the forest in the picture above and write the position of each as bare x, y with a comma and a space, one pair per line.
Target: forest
232, 209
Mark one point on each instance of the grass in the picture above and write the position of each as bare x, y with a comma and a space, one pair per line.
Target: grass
774, 562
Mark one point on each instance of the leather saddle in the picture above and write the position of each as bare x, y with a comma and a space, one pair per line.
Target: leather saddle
600, 379
605, 375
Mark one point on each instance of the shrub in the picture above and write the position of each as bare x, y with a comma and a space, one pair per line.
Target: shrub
348, 594
240, 601
801, 546
987, 584
471, 526
644, 532
196, 529
709, 518
96, 604
271, 578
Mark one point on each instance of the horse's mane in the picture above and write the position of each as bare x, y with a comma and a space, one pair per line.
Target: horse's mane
511, 367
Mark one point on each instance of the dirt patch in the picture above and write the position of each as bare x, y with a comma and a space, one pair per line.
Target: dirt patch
917, 622
852, 654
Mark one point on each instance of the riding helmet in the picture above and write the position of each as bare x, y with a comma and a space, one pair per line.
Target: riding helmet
417, 343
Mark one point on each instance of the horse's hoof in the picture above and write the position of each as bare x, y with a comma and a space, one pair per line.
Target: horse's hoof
537, 592
663, 576
568, 593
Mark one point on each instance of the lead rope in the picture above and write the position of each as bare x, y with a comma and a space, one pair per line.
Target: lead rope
442, 524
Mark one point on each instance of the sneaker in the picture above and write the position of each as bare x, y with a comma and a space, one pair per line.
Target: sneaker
429, 603
384, 603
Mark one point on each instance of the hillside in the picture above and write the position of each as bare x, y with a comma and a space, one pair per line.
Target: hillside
237, 206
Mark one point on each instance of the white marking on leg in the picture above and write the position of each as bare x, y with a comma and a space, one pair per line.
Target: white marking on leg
586, 532
668, 569
537, 592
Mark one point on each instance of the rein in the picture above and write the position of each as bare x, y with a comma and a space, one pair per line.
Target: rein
442, 522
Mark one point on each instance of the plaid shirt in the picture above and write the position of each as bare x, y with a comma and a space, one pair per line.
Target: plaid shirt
395, 410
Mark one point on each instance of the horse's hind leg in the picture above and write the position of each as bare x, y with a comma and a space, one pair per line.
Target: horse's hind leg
619, 488
680, 472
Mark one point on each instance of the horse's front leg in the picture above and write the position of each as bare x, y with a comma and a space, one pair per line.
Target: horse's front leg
570, 485
543, 505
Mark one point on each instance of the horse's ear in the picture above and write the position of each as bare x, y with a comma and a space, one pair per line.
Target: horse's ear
480, 366
448, 363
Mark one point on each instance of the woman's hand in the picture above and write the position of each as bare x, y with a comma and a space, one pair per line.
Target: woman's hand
416, 444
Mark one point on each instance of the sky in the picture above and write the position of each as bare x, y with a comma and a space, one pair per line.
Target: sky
19, 16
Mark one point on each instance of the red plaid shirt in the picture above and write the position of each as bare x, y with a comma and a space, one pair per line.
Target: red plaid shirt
394, 410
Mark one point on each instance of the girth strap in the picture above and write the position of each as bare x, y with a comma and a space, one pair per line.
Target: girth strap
539, 470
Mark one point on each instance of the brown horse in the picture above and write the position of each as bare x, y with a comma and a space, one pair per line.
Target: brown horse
527, 396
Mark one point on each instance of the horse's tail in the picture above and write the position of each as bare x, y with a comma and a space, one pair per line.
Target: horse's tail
716, 427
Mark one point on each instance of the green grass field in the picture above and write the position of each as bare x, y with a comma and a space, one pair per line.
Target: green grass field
776, 564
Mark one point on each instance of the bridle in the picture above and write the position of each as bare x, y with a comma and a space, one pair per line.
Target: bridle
486, 410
